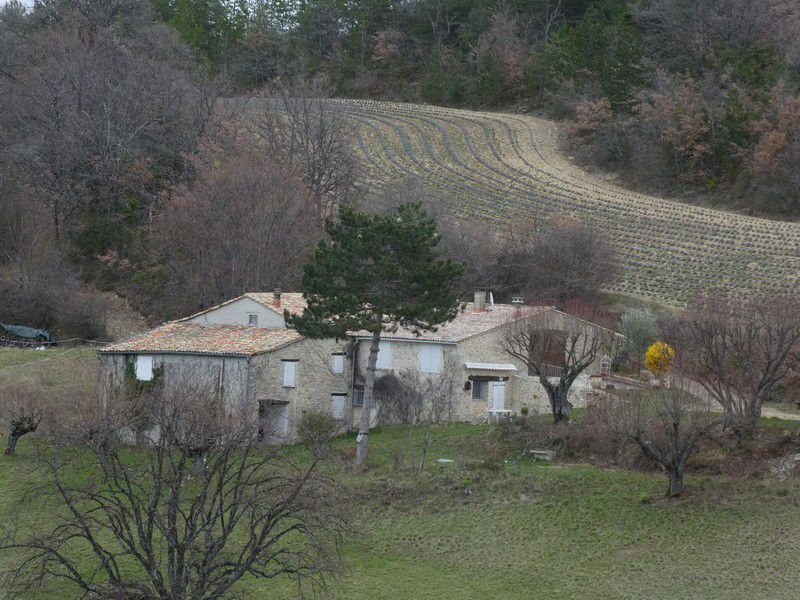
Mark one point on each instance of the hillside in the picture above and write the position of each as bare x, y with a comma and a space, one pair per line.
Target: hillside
537, 531
501, 167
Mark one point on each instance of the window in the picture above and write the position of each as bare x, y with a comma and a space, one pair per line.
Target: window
480, 390
384, 356
337, 405
337, 362
252, 320
289, 369
430, 358
358, 397
144, 367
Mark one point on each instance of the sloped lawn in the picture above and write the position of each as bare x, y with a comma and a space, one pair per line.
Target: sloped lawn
460, 530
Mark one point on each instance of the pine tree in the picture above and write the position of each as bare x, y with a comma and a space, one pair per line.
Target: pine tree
376, 273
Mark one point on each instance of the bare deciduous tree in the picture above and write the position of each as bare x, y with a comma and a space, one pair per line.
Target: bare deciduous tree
190, 514
569, 259
463, 239
418, 400
303, 128
22, 409
102, 115
666, 424
739, 351
557, 348
244, 226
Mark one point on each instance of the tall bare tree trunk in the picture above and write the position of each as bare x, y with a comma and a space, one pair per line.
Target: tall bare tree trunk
675, 482
366, 408
559, 403
13, 438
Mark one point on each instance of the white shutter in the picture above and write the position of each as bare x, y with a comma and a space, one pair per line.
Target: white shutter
338, 363
430, 358
384, 356
144, 367
289, 367
337, 405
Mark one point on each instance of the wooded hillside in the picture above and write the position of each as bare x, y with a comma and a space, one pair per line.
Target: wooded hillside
122, 167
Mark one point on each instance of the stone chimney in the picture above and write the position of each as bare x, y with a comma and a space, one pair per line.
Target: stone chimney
480, 301
277, 296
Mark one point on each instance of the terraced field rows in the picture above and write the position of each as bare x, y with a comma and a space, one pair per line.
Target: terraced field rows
502, 167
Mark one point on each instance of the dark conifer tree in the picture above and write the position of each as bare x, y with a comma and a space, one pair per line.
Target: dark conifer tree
376, 273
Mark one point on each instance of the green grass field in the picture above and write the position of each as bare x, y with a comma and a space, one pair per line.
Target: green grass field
542, 531
539, 531
55, 369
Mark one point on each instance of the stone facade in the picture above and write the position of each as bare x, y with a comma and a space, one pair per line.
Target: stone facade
315, 381
227, 374
279, 376
521, 389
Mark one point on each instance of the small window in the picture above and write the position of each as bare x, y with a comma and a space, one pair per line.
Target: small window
358, 397
338, 402
430, 358
337, 362
289, 370
144, 367
252, 320
384, 356
480, 390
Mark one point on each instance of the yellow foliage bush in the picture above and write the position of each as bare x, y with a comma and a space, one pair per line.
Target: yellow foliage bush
659, 359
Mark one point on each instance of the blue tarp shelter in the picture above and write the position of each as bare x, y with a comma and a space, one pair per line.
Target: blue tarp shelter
41, 335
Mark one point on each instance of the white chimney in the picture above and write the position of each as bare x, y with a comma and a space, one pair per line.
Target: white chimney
480, 301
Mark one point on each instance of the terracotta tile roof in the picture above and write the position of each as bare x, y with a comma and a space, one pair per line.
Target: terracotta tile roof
194, 338
467, 324
291, 301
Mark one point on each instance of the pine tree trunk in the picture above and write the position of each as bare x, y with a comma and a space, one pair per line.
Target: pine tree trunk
366, 408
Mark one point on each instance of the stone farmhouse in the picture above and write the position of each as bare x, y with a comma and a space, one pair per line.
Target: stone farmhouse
256, 363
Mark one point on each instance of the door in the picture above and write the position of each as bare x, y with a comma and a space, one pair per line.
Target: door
274, 417
498, 395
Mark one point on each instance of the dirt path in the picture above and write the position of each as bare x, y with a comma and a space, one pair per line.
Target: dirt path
697, 390
123, 321
768, 411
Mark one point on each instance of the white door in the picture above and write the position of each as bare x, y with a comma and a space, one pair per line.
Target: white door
498, 395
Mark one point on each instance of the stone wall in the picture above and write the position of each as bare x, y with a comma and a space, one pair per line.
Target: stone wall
315, 380
521, 388
227, 375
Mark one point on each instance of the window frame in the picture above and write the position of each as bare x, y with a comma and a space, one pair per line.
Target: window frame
250, 319
343, 396
358, 396
425, 360
483, 385
337, 357
293, 370
384, 363
144, 363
